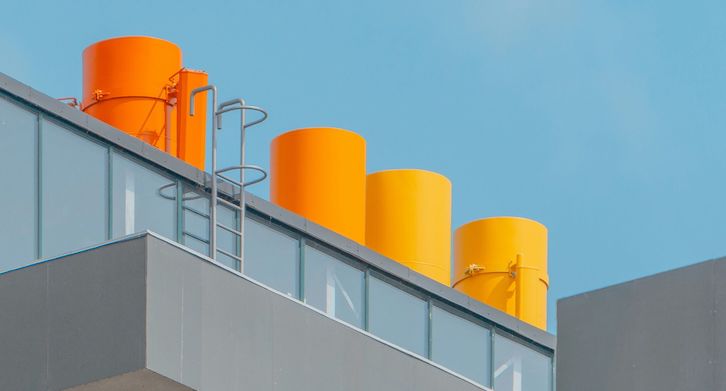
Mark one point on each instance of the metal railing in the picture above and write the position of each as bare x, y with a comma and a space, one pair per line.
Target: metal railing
218, 174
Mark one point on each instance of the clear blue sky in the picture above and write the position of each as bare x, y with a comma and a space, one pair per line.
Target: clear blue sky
605, 120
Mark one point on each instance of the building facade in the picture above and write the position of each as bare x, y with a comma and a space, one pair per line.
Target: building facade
115, 235
662, 332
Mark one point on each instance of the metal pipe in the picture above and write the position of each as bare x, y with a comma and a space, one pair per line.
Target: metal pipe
242, 198
169, 106
262, 177
213, 198
517, 270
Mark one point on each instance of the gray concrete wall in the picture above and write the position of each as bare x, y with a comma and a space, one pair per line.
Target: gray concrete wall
73, 320
211, 329
664, 332
144, 312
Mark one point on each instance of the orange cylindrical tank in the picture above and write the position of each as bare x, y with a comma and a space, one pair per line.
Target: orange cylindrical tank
502, 261
408, 219
126, 82
191, 129
320, 174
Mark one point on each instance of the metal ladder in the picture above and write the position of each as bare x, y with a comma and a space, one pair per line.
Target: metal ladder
217, 174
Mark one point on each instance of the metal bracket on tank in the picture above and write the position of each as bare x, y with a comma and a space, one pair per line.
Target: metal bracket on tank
470, 270
99, 94
474, 269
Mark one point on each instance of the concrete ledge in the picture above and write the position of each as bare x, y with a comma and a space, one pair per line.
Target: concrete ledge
145, 313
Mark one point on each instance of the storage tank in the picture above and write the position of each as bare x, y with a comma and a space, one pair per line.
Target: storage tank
502, 261
408, 219
320, 174
137, 84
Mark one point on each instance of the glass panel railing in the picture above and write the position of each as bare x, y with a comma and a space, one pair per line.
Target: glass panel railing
17, 203
334, 287
398, 317
141, 199
519, 368
195, 220
74, 190
272, 257
461, 345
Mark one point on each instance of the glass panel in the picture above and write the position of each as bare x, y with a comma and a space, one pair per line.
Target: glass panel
397, 317
73, 190
226, 240
196, 245
142, 199
518, 368
334, 287
196, 227
271, 257
196, 220
17, 203
460, 345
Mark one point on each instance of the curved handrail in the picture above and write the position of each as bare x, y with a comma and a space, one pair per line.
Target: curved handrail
173, 198
198, 90
226, 109
245, 167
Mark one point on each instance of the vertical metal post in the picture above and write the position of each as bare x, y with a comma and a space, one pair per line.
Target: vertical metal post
179, 204
39, 187
517, 269
168, 108
213, 198
109, 193
492, 356
213, 186
301, 268
242, 202
429, 328
367, 299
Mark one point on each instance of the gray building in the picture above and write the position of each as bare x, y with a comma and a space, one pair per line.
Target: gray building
663, 332
106, 283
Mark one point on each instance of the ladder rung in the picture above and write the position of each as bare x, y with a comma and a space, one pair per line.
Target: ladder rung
196, 212
229, 254
193, 236
226, 228
230, 204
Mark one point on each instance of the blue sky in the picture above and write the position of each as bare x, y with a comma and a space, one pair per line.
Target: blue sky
605, 120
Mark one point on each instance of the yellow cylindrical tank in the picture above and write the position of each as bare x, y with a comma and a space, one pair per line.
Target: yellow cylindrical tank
502, 261
320, 174
408, 219
126, 83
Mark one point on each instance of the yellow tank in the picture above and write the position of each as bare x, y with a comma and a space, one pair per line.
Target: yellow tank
320, 174
502, 261
408, 219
